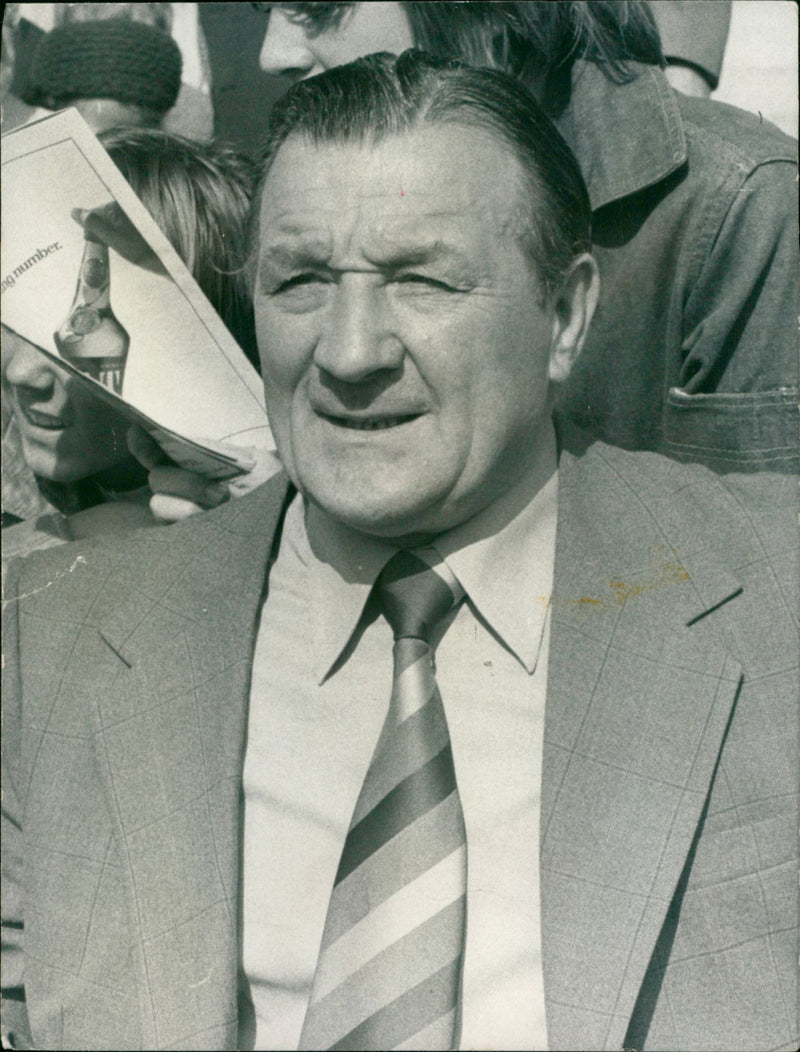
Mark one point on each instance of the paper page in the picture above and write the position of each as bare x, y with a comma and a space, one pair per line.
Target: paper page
167, 360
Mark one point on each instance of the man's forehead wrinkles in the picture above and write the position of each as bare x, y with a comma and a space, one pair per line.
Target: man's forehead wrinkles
380, 230
330, 204
413, 239
389, 247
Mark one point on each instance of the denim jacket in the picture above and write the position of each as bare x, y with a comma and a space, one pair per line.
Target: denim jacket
694, 351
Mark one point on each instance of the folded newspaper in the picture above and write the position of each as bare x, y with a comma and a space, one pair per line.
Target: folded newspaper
140, 334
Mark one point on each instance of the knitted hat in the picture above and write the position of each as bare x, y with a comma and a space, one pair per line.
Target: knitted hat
114, 58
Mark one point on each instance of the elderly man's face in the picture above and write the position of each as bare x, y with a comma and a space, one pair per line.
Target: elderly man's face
405, 344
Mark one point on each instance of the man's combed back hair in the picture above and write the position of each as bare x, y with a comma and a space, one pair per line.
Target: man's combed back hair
536, 41
374, 97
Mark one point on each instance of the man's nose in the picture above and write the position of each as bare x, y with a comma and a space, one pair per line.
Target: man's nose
26, 366
285, 49
358, 338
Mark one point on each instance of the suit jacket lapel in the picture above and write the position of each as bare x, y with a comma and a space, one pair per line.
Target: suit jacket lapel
637, 707
170, 741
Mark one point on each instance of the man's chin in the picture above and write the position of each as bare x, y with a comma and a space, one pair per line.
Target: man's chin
400, 520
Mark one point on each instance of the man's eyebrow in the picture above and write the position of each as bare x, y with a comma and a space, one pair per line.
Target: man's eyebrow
396, 254
385, 253
277, 257
292, 252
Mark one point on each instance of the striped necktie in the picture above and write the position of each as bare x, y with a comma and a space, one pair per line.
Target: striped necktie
389, 968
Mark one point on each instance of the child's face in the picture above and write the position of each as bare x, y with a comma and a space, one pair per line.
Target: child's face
67, 433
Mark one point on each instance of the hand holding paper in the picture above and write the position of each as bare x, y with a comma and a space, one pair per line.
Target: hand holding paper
179, 493
109, 225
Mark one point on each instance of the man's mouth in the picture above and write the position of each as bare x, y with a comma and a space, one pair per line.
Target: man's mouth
374, 423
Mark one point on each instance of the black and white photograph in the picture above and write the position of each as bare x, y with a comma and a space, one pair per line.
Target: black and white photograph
400, 448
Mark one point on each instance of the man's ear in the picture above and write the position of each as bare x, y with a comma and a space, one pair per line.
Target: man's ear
573, 309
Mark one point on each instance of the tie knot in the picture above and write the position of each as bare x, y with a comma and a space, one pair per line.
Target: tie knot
413, 597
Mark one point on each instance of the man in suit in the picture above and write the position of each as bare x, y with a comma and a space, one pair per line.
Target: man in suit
201, 828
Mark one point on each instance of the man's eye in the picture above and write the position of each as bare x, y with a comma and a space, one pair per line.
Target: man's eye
297, 281
426, 280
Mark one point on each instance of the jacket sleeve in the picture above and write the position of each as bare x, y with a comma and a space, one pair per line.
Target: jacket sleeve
15, 1027
738, 374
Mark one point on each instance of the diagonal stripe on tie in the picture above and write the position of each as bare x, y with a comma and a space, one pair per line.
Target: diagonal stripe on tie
390, 961
433, 837
421, 1005
405, 965
416, 795
412, 904
434, 1035
418, 739
407, 657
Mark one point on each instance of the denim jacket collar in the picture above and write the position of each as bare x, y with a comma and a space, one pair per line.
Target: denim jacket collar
625, 136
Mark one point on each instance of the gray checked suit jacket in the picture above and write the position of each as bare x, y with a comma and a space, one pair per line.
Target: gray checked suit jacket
669, 833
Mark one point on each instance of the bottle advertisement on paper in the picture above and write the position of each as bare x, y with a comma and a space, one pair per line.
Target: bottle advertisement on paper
128, 321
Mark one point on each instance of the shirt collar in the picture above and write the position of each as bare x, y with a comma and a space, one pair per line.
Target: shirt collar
625, 136
503, 557
343, 565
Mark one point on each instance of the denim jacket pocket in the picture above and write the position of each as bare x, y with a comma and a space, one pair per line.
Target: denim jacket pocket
749, 431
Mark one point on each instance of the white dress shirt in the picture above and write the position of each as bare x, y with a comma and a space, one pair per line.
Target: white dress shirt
320, 691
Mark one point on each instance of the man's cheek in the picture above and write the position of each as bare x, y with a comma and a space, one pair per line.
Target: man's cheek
282, 359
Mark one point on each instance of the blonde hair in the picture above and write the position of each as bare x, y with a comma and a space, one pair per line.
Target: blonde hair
199, 195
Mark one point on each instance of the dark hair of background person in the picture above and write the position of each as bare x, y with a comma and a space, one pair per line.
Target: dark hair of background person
199, 194
380, 95
536, 41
